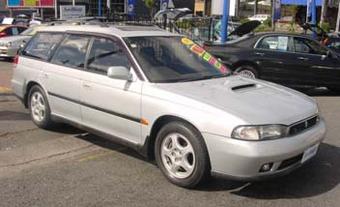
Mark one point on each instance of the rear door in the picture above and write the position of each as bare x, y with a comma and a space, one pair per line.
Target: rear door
273, 55
314, 63
62, 77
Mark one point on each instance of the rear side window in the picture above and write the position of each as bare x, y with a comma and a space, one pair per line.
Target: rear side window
72, 51
279, 43
42, 45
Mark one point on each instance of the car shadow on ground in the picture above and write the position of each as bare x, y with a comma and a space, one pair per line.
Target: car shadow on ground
319, 176
111, 145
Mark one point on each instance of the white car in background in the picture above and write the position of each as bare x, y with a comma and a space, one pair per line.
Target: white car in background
10, 45
259, 17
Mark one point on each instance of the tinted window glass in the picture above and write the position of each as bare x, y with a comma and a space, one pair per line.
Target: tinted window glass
15, 31
104, 54
280, 43
72, 51
303, 45
42, 45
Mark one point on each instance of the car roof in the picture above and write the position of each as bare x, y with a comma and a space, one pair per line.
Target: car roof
117, 30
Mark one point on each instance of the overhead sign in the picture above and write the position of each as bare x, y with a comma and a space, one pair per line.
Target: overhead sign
70, 12
30, 3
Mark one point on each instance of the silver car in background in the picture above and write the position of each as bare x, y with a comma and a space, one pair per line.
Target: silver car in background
10, 45
169, 99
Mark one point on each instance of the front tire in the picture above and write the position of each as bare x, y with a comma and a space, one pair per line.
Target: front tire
181, 154
39, 108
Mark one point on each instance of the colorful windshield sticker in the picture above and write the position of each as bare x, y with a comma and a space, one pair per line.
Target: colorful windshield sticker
198, 50
204, 54
207, 57
187, 41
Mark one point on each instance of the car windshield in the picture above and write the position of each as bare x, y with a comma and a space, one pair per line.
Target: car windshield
174, 59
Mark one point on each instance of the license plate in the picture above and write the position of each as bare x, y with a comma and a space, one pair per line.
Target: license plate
309, 153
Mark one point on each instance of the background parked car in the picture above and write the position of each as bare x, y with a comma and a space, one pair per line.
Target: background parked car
9, 30
10, 45
288, 59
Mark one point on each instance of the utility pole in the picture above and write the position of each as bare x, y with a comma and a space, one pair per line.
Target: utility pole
224, 26
338, 19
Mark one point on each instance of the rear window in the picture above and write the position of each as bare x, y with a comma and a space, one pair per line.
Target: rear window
42, 45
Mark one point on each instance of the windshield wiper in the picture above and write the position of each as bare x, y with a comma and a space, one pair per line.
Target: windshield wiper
200, 78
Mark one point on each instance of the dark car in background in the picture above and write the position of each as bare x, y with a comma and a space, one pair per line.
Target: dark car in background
287, 59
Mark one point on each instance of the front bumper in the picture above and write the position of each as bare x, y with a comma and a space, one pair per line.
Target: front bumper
242, 160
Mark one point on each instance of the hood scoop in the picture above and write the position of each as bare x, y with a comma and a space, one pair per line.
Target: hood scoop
244, 86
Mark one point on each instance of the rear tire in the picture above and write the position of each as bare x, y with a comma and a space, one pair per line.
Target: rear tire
247, 71
181, 154
39, 108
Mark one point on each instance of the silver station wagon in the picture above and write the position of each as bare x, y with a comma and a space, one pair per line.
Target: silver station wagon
169, 99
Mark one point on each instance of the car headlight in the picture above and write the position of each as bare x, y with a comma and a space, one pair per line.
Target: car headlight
8, 44
259, 132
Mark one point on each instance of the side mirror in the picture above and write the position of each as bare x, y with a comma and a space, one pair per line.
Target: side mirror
119, 72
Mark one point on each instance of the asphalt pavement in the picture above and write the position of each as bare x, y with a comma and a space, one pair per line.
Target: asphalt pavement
69, 167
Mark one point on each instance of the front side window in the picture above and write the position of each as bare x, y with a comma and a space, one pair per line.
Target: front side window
279, 43
105, 53
303, 45
42, 45
72, 51
174, 59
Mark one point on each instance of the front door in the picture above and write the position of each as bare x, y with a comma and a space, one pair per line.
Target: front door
274, 55
112, 106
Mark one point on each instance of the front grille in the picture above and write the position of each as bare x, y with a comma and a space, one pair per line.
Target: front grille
301, 126
289, 162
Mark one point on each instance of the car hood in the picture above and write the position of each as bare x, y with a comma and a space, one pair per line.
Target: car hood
254, 101
13, 38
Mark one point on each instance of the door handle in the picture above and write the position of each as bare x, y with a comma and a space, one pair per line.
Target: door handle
303, 58
259, 53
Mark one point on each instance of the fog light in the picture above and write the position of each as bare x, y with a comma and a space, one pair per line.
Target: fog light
266, 167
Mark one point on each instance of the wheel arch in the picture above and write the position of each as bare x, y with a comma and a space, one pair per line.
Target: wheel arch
149, 145
247, 62
29, 85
